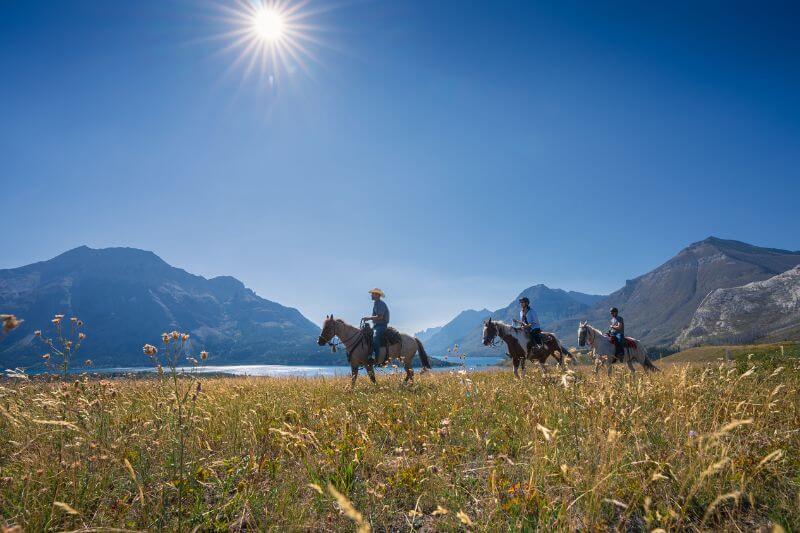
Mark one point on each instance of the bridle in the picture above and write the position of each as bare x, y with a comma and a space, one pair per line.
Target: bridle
588, 334
335, 345
495, 340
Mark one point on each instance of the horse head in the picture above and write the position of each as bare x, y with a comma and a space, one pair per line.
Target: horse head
583, 330
328, 331
489, 332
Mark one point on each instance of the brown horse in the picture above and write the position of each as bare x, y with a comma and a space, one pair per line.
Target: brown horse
359, 349
517, 341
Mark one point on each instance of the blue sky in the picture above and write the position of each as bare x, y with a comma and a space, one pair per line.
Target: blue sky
452, 153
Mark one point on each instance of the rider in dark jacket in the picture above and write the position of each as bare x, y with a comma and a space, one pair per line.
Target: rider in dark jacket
617, 331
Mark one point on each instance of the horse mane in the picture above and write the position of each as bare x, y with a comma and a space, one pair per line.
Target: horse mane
594, 328
501, 323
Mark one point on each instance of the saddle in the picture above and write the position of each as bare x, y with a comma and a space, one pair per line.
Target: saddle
390, 338
544, 338
629, 342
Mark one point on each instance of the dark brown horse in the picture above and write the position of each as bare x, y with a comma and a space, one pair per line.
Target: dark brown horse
517, 342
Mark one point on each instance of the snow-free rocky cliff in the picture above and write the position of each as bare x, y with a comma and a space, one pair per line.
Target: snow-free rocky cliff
761, 310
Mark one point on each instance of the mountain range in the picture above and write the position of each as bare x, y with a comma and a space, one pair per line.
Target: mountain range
128, 297
712, 291
658, 306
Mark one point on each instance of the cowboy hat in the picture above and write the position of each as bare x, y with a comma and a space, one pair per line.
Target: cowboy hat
378, 292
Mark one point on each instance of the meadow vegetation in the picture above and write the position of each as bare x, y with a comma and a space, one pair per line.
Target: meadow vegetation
695, 447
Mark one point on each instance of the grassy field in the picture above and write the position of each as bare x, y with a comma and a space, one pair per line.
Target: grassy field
758, 352
691, 448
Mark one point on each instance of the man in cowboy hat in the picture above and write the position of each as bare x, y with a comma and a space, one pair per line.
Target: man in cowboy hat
380, 320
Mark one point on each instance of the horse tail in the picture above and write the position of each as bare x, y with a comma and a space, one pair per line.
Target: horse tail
648, 365
564, 351
423, 355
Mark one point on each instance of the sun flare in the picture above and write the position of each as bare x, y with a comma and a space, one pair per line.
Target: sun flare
272, 38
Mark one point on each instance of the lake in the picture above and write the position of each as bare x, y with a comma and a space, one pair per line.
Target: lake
469, 363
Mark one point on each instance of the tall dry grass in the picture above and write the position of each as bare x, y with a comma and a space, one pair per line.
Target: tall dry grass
692, 448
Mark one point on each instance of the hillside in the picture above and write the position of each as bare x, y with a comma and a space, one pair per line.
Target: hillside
128, 297
769, 308
657, 306
660, 304
458, 328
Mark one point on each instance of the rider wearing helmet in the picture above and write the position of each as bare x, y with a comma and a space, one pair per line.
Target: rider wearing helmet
530, 322
617, 331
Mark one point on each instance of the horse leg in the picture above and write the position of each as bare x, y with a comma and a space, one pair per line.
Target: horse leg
516, 367
409, 375
523, 362
542, 367
371, 373
354, 371
629, 362
608, 362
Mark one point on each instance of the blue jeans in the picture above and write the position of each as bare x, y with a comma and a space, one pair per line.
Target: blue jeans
377, 339
620, 348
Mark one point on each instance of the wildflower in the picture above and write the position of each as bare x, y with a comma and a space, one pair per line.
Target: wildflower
74, 320
692, 433
10, 322
150, 350
68, 344
165, 338
46, 356
80, 323
185, 337
204, 355
175, 335
81, 336
88, 362
37, 333
464, 518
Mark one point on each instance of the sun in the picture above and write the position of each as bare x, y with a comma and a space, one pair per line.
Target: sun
271, 38
268, 24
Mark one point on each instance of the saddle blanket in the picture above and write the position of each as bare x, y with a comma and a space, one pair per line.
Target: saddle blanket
629, 342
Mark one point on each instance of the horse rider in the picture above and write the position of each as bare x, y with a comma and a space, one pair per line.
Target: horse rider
530, 322
617, 331
380, 320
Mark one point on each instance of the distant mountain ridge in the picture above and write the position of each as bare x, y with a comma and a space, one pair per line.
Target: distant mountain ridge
552, 305
427, 333
657, 306
128, 297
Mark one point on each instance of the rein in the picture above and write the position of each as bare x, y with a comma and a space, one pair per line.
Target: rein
341, 342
